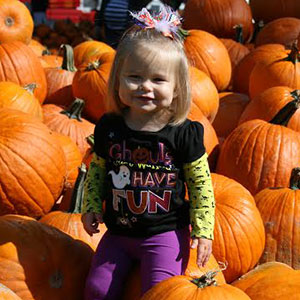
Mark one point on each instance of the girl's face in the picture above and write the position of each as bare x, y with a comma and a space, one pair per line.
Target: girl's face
146, 84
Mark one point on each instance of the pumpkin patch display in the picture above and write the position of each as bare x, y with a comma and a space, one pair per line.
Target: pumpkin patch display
16, 22
38, 261
270, 281
32, 165
260, 154
280, 211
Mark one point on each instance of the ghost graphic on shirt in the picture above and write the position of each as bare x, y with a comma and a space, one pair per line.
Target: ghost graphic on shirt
121, 179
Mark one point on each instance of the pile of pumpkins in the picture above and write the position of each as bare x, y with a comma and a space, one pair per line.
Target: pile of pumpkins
245, 87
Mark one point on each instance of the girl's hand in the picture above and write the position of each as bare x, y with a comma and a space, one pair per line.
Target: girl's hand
204, 249
91, 221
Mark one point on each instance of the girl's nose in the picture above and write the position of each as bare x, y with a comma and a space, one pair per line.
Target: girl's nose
145, 85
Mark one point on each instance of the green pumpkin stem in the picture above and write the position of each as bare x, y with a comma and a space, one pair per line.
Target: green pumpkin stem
74, 110
46, 52
77, 194
294, 55
91, 140
30, 87
183, 33
239, 33
295, 179
285, 114
68, 58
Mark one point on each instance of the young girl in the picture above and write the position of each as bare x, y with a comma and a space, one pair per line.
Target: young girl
145, 152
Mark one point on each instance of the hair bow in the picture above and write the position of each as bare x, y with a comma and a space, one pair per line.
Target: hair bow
165, 21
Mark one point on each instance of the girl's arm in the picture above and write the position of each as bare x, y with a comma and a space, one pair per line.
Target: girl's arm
201, 197
94, 186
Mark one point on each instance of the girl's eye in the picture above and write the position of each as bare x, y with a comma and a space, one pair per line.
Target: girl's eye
134, 77
159, 79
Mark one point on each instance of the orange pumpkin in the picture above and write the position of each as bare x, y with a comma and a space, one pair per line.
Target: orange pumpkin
259, 154
16, 22
204, 94
280, 211
270, 281
59, 80
284, 70
19, 64
21, 98
208, 54
69, 122
280, 31
242, 71
70, 221
267, 104
51, 60
219, 17
90, 84
86, 51
188, 288
7, 294
239, 236
37, 47
36, 260
231, 107
32, 165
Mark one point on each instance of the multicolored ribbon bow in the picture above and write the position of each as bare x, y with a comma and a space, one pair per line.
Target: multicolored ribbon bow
166, 21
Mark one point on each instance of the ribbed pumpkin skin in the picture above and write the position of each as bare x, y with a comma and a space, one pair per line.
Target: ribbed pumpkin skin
218, 17
280, 211
16, 23
72, 128
16, 97
207, 53
70, 223
91, 85
181, 287
270, 281
260, 155
83, 52
239, 235
38, 261
19, 64
204, 93
7, 294
32, 165
37, 47
267, 104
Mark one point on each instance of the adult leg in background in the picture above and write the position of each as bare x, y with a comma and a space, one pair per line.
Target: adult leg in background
110, 267
164, 255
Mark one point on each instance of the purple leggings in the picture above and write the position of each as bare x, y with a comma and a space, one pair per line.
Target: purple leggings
161, 256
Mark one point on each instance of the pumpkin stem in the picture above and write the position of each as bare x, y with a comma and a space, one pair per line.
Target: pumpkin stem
30, 87
294, 55
91, 140
46, 52
295, 179
68, 58
183, 33
9, 21
75, 109
239, 33
285, 114
77, 194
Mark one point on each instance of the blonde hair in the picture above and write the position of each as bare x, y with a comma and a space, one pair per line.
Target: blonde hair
151, 39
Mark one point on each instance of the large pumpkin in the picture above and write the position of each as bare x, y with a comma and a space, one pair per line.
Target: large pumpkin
219, 17
280, 211
90, 84
21, 98
283, 70
32, 165
189, 288
207, 53
19, 64
38, 261
16, 23
239, 236
7, 294
270, 281
267, 104
259, 154
69, 122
